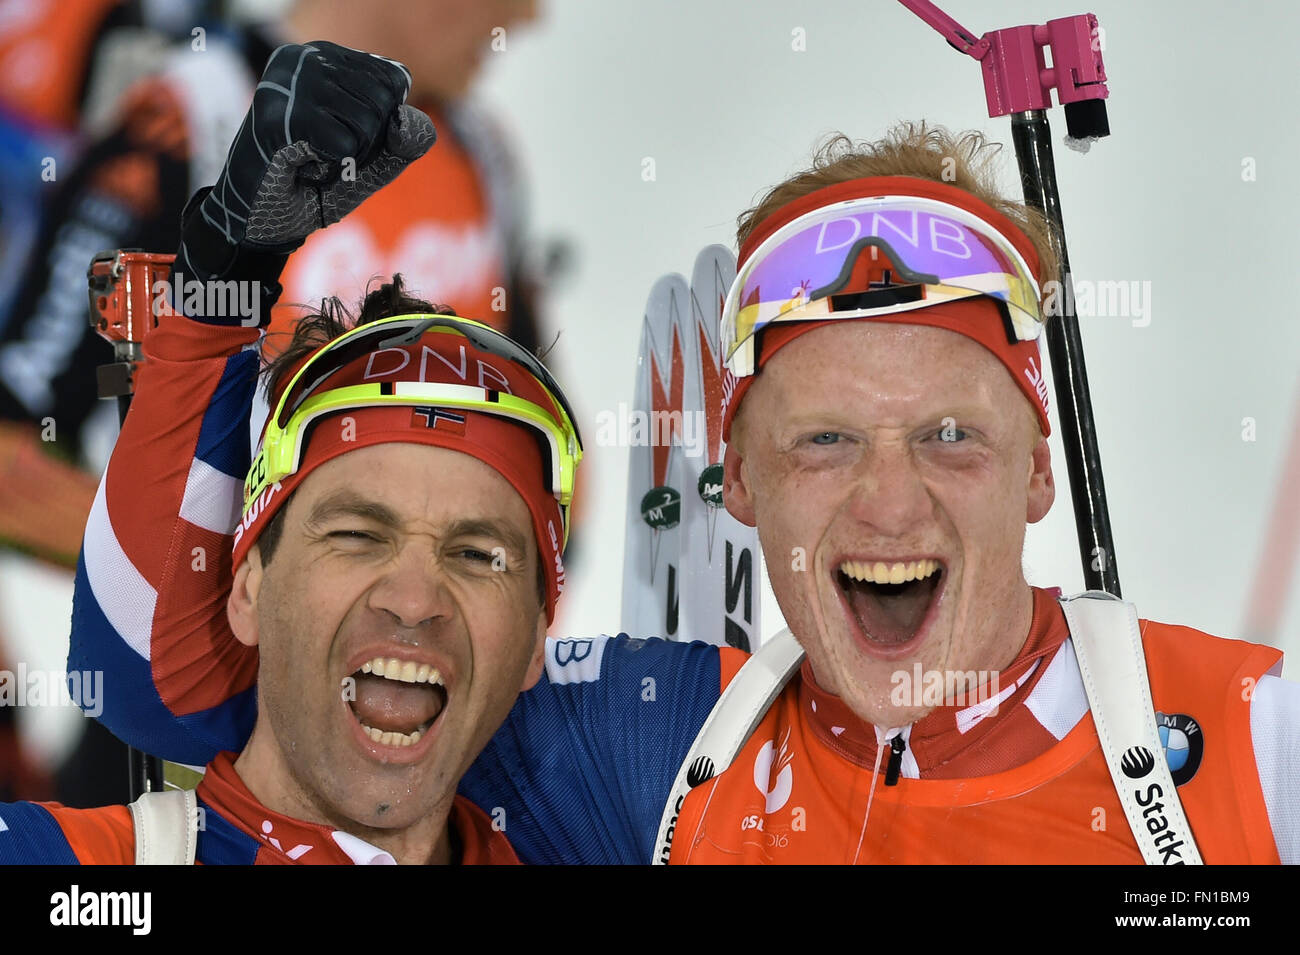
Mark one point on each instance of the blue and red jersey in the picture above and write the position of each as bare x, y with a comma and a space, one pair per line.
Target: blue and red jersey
234, 829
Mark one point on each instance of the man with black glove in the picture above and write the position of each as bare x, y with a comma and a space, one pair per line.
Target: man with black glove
128, 188
391, 585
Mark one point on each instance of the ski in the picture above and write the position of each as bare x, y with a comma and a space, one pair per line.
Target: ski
719, 569
651, 586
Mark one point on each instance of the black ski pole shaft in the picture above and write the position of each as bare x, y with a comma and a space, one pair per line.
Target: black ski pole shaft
1019, 83
146, 773
1031, 132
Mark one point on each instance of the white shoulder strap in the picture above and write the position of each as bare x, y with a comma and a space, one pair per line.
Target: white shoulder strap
738, 711
1108, 646
166, 827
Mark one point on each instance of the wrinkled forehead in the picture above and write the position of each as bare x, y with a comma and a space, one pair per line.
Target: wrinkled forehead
885, 374
406, 483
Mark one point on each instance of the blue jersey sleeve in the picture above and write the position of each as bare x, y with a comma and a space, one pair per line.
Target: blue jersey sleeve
581, 768
29, 835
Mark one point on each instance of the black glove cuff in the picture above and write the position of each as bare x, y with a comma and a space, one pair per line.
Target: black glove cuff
218, 283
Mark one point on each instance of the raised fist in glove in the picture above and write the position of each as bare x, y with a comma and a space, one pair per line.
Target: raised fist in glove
328, 127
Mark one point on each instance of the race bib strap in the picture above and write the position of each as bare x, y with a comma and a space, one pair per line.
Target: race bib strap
737, 713
1108, 645
166, 827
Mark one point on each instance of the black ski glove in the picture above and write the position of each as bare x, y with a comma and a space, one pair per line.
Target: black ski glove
328, 127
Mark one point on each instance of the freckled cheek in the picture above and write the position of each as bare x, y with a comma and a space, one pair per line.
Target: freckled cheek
779, 495
988, 520
792, 522
776, 528
811, 503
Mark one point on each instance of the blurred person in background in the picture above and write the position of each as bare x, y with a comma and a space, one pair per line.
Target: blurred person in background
63, 67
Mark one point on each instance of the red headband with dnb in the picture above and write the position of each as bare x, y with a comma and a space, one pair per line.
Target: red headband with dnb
978, 318
508, 447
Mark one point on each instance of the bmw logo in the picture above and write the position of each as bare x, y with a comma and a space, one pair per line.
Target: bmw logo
1183, 743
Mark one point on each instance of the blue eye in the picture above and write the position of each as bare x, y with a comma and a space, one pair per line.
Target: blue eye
826, 437
951, 435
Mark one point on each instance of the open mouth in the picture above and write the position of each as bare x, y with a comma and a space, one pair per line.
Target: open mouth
397, 701
891, 602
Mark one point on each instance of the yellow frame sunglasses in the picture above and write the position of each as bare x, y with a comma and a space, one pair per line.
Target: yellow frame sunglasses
280, 454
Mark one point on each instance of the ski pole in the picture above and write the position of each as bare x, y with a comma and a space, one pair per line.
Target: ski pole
119, 288
1018, 83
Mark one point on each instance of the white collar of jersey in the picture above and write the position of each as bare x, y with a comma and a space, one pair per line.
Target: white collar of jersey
360, 851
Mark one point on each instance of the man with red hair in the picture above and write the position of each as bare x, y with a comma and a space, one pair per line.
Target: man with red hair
887, 425
887, 429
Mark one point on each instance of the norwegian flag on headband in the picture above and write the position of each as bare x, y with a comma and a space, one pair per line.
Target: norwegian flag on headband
441, 418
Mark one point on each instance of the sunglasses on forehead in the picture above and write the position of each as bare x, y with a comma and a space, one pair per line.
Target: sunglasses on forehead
401, 331
875, 256
305, 399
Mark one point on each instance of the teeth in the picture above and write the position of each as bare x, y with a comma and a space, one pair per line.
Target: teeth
404, 671
882, 573
389, 738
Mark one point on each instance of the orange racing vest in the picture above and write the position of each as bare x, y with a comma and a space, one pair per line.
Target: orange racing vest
789, 798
